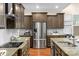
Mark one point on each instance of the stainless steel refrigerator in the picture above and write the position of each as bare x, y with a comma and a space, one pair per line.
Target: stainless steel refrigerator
39, 34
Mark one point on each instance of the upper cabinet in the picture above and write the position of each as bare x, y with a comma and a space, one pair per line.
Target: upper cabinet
2, 15
11, 15
28, 21
19, 12
55, 21
52, 21
39, 16
60, 17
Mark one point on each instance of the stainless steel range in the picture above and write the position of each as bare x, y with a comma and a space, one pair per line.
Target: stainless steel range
39, 34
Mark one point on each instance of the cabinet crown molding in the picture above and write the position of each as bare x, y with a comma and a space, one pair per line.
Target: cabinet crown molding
39, 12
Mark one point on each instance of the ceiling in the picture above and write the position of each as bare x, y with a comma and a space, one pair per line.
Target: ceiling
44, 7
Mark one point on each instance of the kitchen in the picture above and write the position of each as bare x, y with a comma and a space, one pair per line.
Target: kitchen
29, 27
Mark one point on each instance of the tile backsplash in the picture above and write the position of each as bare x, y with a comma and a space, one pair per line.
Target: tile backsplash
5, 34
65, 30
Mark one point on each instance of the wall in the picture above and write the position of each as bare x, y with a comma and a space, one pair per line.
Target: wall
5, 34
73, 9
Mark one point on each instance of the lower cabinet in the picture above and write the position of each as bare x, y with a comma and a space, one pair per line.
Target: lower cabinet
24, 51
31, 42
57, 51
52, 36
28, 47
48, 42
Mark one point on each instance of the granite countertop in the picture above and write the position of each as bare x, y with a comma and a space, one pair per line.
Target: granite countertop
11, 51
71, 51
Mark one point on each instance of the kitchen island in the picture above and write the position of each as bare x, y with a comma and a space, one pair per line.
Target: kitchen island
21, 50
64, 47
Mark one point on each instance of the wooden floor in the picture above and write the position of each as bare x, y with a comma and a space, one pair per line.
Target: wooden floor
39, 52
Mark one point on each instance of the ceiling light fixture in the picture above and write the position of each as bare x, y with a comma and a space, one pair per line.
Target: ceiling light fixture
37, 6
56, 7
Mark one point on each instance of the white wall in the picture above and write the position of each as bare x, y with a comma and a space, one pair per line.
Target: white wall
72, 9
5, 34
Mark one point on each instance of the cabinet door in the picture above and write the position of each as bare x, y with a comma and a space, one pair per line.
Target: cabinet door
22, 16
2, 15
10, 21
60, 17
28, 22
49, 22
48, 42
19, 12
39, 16
54, 21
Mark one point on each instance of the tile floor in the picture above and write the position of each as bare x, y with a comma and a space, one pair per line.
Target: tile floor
40, 52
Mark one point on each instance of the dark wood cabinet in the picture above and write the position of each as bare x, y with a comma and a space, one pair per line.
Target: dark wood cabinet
10, 23
52, 36
9, 18
19, 12
57, 51
22, 15
11, 15
48, 42
60, 17
6, 19
55, 21
52, 21
28, 21
31, 42
2, 16
39, 16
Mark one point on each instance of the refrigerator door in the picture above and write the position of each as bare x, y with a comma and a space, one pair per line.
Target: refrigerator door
43, 30
39, 43
37, 30
39, 35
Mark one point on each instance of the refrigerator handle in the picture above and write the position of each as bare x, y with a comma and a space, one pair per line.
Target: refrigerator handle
35, 30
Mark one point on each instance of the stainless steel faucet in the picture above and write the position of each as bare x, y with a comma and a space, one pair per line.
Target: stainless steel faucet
74, 40
13, 38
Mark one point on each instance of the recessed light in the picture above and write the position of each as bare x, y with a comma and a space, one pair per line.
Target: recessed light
37, 6
56, 7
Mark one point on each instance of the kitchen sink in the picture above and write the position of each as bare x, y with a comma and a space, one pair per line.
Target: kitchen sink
11, 45
67, 44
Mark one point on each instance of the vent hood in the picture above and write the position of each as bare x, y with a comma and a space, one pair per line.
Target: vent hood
10, 14
10, 9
